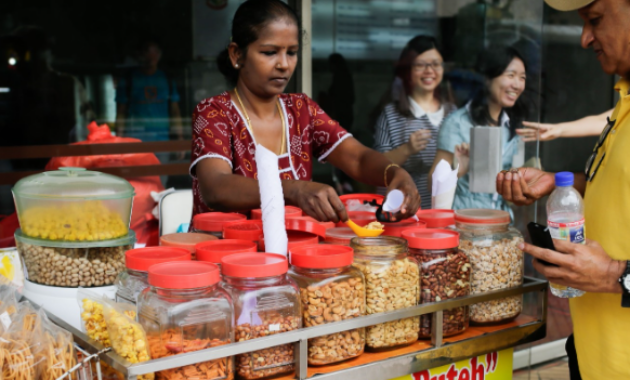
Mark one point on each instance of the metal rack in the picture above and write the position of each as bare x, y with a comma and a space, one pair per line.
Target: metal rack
439, 354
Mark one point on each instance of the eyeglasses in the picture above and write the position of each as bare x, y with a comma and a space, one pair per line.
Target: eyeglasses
423, 66
600, 143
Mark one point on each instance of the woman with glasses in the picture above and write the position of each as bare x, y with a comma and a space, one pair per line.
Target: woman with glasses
498, 104
407, 129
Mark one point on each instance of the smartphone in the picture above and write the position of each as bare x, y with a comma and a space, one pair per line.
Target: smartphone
541, 238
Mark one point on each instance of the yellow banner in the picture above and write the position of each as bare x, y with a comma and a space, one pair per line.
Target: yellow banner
493, 366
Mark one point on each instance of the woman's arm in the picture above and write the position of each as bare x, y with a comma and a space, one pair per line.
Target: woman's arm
586, 126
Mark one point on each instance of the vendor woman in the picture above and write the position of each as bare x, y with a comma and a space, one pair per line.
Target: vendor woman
259, 61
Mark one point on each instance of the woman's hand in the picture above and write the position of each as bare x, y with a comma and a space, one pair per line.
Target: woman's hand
401, 180
462, 157
315, 199
419, 140
538, 131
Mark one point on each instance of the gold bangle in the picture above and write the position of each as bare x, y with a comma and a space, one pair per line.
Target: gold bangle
385, 173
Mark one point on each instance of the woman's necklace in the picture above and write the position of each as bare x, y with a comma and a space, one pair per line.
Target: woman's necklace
249, 122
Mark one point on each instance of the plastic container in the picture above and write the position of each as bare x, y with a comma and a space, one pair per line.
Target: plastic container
445, 272
362, 198
339, 236
186, 240
326, 225
330, 290
392, 278
214, 251
565, 219
132, 281
73, 204
73, 264
266, 302
396, 229
251, 230
492, 248
361, 218
437, 218
186, 311
289, 211
212, 222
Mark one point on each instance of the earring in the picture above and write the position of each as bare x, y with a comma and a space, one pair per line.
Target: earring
236, 66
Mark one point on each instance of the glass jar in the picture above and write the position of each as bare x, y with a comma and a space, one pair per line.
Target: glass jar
437, 218
492, 248
339, 236
266, 302
251, 230
132, 281
331, 290
186, 240
445, 274
396, 229
392, 279
185, 311
211, 223
214, 251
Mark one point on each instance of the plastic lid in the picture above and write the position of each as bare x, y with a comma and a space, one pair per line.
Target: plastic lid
214, 221
129, 239
73, 183
184, 275
251, 230
312, 227
431, 238
340, 235
321, 256
326, 225
141, 259
482, 216
214, 251
296, 239
363, 198
186, 240
288, 211
437, 218
564, 179
396, 229
247, 265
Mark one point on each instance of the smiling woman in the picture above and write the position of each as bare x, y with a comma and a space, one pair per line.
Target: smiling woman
227, 128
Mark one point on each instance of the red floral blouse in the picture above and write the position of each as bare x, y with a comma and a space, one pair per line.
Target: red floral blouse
220, 131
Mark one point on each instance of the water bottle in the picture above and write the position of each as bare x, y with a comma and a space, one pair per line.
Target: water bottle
565, 219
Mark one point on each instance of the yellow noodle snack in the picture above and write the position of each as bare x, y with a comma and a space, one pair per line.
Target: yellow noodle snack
374, 226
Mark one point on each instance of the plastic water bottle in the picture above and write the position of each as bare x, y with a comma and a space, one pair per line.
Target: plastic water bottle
565, 219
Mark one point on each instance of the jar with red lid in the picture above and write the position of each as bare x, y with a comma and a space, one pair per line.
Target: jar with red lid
289, 211
331, 290
184, 311
214, 251
492, 248
435, 218
266, 302
186, 240
251, 230
445, 272
211, 223
395, 229
392, 279
339, 236
132, 281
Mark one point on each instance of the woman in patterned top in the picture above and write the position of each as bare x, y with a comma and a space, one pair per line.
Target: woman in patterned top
259, 61
406, 132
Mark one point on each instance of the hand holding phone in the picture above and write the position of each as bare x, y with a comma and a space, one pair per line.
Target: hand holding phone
541, 238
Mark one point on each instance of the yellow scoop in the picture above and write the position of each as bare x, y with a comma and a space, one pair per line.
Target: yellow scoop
363, 232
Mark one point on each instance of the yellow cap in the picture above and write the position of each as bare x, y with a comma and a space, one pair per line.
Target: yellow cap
568, 5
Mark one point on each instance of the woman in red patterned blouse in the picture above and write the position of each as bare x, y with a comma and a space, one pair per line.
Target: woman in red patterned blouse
226, 128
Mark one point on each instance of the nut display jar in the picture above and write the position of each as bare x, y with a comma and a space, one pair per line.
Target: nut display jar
437, 218
185, 311
331, 290
214, 251
395, 229
339, 236
251, 230
445, 272
289, 211
212, 222
266, 302
497, 263
73, 264
73, 204
392, 279
186, 240
132, 281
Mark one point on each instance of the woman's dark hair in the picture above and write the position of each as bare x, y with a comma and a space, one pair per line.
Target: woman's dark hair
250, 18
491, 63
415, 47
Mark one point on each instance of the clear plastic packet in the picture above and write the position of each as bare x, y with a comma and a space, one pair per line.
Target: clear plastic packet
21, 345
58, 350
8, 306
93, 320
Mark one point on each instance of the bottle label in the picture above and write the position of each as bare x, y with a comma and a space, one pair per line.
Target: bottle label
572, 232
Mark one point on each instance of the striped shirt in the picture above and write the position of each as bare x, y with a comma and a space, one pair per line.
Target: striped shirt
394, 129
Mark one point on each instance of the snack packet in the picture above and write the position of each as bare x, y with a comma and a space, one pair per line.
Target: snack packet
58, 350
93, 325
21, 345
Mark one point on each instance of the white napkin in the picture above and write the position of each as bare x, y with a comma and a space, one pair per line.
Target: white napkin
271, 201
444, 185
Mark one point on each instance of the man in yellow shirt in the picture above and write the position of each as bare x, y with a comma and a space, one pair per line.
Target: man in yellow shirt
601, 317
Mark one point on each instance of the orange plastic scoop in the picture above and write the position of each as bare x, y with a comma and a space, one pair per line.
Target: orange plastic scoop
363, 232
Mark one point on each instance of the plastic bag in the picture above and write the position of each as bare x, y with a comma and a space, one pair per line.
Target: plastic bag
93, 320
11, 269
21, 345
58, 350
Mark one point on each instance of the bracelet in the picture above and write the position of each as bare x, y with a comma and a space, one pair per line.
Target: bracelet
385, 172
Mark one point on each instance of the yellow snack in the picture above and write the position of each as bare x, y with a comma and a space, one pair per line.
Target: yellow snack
374, 226
128, 338
95, 325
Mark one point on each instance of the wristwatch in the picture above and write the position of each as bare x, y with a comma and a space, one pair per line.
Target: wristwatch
624, 280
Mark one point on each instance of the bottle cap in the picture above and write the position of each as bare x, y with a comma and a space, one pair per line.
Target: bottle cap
564, 179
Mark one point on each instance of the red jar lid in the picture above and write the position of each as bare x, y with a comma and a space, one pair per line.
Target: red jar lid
363, 198
214, 251
361, 218
326, 225
214, 221
301, 225
288, 211
141, 259
437, 218
184, 275
321, 256
296, 239
246, 265
482, 216
251, 230
431, 238
340, 235
396, 229
187, 240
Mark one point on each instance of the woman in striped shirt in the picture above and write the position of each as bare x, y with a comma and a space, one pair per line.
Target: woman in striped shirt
407, 129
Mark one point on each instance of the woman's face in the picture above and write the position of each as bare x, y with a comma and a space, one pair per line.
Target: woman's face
427, 71
271, 59
507, 87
